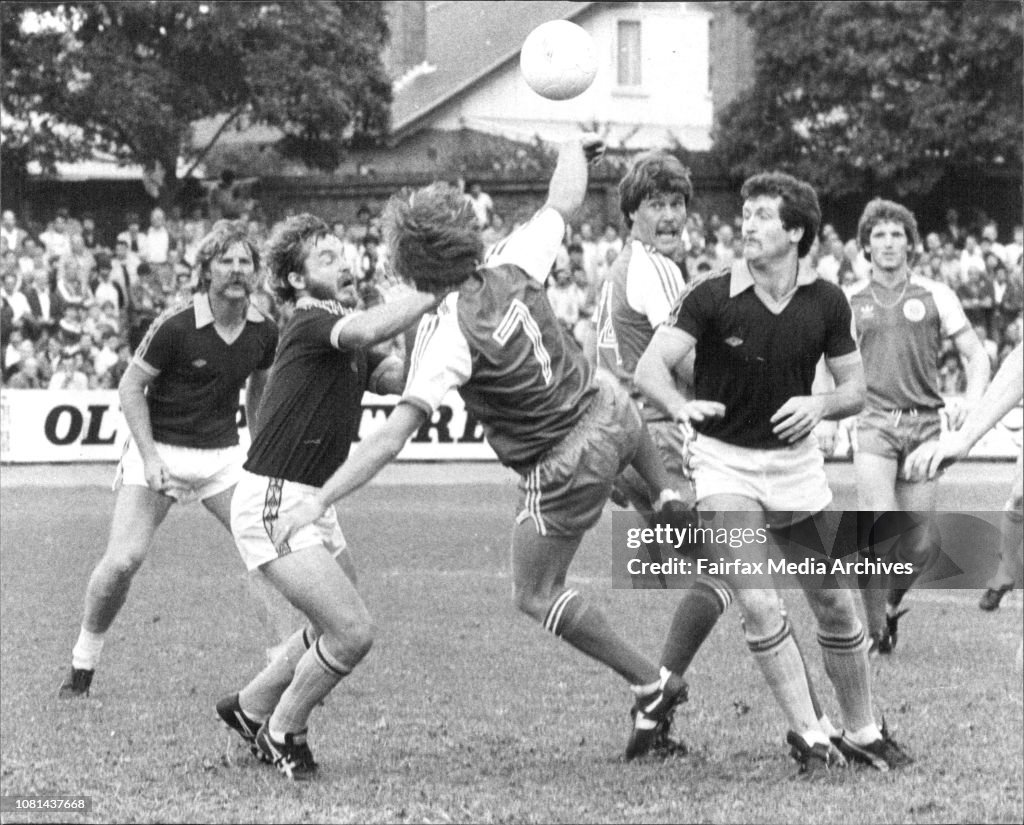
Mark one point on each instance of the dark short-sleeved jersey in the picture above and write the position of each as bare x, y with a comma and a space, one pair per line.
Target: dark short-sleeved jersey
498, 342
193, 398
752, 359
312, 405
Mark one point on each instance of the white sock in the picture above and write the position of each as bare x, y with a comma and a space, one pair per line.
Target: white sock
865, 736
85, 655
827, 726
814, 737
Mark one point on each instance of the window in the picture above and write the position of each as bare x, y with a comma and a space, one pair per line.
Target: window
629, 53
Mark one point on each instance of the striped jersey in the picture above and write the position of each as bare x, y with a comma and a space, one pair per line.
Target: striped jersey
900, 333
639, 294
498, 342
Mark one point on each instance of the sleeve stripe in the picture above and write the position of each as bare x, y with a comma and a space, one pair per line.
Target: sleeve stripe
427, 328
159, 321
669, 284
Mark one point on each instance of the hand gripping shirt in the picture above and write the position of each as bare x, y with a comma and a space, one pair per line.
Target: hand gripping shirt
498, 342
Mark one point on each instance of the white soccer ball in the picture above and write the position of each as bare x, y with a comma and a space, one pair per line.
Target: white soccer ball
558, 60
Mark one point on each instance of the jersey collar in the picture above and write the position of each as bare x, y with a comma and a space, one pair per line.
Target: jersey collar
204, 312
741, 280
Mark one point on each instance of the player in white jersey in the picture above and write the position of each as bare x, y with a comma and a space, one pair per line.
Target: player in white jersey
497, 342
901, 321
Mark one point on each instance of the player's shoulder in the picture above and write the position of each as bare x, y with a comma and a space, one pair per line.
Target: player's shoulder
858, 289
178, 317
927, 286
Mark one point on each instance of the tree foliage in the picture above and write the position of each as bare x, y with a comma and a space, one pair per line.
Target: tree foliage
130, 78
878, 96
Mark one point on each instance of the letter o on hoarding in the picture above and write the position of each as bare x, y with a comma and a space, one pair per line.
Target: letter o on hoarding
75, 422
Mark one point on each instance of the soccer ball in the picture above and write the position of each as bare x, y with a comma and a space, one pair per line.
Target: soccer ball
558, 60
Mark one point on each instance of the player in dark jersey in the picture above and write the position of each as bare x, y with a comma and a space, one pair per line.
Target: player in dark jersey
928, 460
308, 419
642, 291
498, 343
757, 333
902, 321
180, 399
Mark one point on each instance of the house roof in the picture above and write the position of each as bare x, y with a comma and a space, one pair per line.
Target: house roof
466, 41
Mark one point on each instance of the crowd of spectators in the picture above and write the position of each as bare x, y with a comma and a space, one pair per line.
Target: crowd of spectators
73, 310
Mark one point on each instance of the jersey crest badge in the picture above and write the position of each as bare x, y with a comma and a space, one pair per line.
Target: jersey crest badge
199, 363
733, 341
913, 310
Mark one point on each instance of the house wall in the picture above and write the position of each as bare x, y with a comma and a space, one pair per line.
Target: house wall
674, 44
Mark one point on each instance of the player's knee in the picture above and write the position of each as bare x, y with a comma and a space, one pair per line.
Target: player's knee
350, 643
530, 601
834, 610
760, 611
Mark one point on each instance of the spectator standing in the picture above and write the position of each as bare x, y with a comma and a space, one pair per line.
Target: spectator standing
483, 206
27, 376
68, 376
976, 296
55, 239
11, 233
40, 304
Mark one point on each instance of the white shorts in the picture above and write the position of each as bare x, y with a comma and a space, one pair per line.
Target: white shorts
783, 480
196, 475
255, 507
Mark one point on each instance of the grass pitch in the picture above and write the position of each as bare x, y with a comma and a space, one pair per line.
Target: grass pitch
464, 711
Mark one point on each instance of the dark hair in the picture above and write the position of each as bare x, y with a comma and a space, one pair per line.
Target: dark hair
223, 234
288, 247
799, 208
651, 174
882, 211
575, 247
432, 236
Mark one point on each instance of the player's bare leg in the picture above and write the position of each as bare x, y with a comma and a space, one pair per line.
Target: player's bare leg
539, 566
314, 583
766, 628
278, 618
138, 511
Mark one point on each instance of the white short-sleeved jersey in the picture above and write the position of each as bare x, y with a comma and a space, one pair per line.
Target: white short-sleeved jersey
498, 342
900, 334
640, 293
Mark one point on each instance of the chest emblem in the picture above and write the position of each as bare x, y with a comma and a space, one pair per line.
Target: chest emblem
733, 341
913, 310
199, 363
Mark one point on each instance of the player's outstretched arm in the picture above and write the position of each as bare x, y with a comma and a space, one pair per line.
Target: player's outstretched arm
669, 348
568, 187
1002, 395
371, 457
384, 321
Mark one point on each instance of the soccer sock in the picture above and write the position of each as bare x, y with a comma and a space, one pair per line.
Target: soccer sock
316, 675
823, 720
85, 655
779, 659
846, 663
695, 617
586, 629
259, 698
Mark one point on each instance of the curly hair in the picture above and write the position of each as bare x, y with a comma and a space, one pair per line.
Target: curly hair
882, 211
653, 173
799, 207
433, 237
223, 234
287, 248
